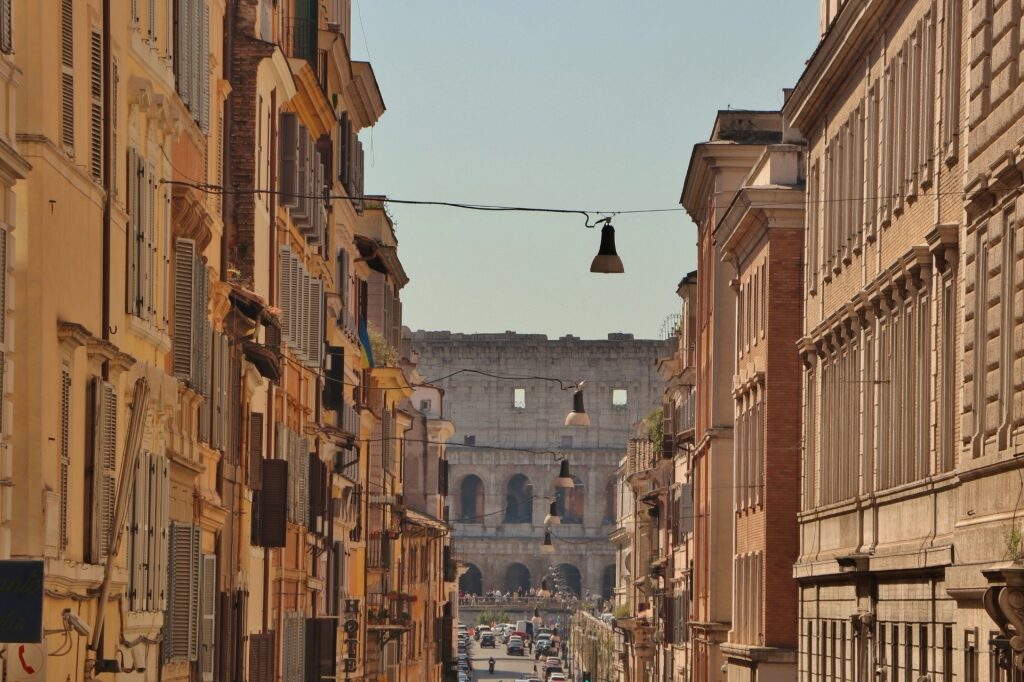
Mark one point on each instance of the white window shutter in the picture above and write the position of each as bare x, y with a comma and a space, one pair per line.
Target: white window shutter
317, 328
65, 455
307, 317
182, 51
225, 392
152, 19
104, 464
284, 284
208, 618
149, 257
195, 59
182, 324
296, 302
138, 540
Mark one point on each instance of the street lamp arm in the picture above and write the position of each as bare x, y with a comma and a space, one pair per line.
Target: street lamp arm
564, 385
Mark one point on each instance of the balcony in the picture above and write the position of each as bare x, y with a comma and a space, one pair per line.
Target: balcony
387, 611
300, 39
378, 551
640, 456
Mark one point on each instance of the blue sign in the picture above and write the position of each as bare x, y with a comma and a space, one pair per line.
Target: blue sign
21, 601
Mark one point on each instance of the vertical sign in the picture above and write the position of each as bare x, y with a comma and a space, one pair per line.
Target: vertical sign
21, 601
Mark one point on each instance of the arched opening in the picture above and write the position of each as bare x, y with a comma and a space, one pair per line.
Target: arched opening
608, 582
471, 499
569, 502
568, 579
472, 581
609, 501
517, 577
519, 500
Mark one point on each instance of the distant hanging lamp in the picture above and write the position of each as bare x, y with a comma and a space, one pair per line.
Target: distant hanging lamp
578, 416
552, 519
547, 547
607, 259
564, 479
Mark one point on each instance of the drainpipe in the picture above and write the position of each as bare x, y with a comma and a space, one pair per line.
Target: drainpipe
108, 174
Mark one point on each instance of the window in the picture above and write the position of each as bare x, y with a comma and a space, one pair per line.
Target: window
302, 180
96, 65
103, 469
6, 26
301, 302
65, 451
519, 398
566, 442
181, 641
67, 76
141, 243
425, 406
192, 58
971, 655
147, 534
295, 450
293, 656
619, 397
192, 337
469, 440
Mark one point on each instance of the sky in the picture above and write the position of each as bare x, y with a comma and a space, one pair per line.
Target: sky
569, 104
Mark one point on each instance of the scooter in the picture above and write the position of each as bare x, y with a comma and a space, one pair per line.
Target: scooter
490, 665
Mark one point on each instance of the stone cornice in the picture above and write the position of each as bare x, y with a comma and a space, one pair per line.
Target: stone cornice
73, 335
190, 217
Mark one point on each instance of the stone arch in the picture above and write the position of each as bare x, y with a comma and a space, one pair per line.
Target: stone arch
569, 579
570, 502
608, 582
471, 499
517, 576
609, 500
519, 500
472, 581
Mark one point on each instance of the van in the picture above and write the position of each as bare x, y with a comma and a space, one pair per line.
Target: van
525, 626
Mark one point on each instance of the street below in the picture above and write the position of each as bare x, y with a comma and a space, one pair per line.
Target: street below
506, 668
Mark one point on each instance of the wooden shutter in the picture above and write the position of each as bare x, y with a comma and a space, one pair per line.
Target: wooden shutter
321, 636
344, 149
182, 53
147, 309
67, 77
334, 378
6, 27
104, 467
202, 348
302, 460
262, 648
181, 622
256, 426
305, 316
208, 618
203, 63
158, 532
3, 286
316, 326
300, 210
273, 504
132, 240
184, 285
96, 104
224, 387
65, 455
215, 402
288, 136
284, 290
296, 270
343, 286
293, 660
152, 20
138, 535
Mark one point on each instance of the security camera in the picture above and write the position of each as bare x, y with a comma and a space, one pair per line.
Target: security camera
71, 620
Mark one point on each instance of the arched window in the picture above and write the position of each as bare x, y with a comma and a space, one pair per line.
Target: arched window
608, 582
569, 502
471, 499
472, 581
517, 577
568, 579
519, 500
609, 501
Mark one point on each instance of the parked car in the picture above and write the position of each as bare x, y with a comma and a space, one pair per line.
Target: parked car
515, 647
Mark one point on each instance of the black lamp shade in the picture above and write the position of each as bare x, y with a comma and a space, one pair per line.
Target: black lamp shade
607, 260
564, 479
578, 416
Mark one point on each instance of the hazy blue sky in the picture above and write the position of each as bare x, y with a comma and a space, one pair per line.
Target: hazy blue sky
591, 104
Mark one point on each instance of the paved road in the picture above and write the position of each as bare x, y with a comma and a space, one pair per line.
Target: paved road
506, 668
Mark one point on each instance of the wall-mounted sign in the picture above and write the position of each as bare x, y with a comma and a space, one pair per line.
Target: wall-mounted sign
21, 601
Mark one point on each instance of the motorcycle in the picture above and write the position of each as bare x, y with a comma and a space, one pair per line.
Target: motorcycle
490, 665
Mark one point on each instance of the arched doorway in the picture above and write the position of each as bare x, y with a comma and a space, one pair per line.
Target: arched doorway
471, 499
472, 581
519, 500
568, 579
608, 582
569, 502
609, 501
517, 577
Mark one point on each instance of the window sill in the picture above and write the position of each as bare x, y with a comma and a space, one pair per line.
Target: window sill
146, 330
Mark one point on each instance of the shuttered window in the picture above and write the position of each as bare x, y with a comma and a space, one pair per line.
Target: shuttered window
142, 185
96, 104
103, 467
192, 335
148, 534
293, 658
5, 247
152, 20
301, 299
256, 425
67, 75
261, 656
65, 450
6, 27
208, 617
192, 58
219, 386
181, 621
270, 505
344, 287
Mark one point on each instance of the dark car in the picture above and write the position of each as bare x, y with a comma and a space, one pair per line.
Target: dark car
487, 640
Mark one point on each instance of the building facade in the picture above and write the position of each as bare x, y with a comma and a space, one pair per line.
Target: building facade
504, 456
217, 468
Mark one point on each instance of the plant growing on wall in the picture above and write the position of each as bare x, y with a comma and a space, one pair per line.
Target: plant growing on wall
1014, 543
652, 425
384, 354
